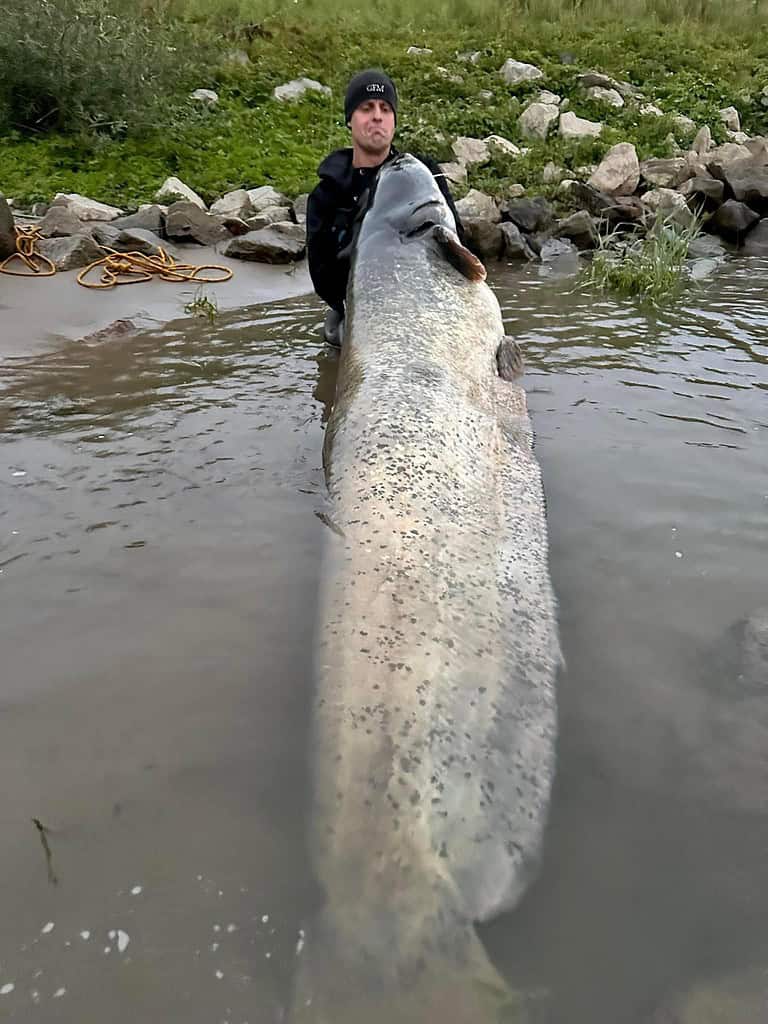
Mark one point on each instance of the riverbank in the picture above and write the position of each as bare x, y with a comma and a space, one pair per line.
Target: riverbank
676, 78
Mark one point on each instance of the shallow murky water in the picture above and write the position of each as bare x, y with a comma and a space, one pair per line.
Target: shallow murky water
160, 530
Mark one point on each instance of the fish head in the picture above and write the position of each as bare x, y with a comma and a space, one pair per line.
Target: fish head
406, 206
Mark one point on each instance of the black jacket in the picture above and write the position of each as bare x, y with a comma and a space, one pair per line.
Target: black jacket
331, 211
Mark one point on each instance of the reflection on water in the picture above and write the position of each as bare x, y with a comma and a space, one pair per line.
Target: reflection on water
161, 515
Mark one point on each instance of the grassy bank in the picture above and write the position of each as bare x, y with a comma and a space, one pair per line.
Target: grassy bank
688, 58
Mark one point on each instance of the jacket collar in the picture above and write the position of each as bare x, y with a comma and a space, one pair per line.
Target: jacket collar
337, 166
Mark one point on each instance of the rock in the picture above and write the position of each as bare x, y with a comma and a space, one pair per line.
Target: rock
238, 57
84, 208
148, 218
455, 173
478, 206
536, 120
579, 228
300, 208
615, 209
138, 240
706, 246
117, 329
723, 157
418, 51
7, 229
515, 191
555, 248
39, 209
470, 57
471, 151
740, 137
450, 76
530, 215
750, 187
60, 222
105, 234
596, 79
266, 196
671, 145
514, 71
186, 222
552, 173
572, 127
297, 232
684, 124
733, 220
758, 147
756, 243
707, 192
173, 189
485, 95
618, 172
611, 97
273, 214
669, 205
207, 97
550, 98
515, 245
233, 204
297, 89
703, 143
485, 238
498, 144
236, 227
70, 253
730, 118
266, 246
651, 110
665, 173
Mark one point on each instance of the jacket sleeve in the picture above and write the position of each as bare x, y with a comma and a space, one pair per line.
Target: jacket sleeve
329, 274
442, 184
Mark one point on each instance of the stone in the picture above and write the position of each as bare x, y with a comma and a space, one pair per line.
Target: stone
619, 171
455, 173
721, 158
552, 173
234, 204
667, 173
498, 144
105, 234
287, 228
545, 96
471, 151
449, 76
206, 97
7, 229
706, 192
651, 110
478, 206
300, 208
84, 208
751, 187
536, 120
138, 240
515, 247
485, 95
615, 209
684, 124
596, 79
484, 237
174, 189
741, 137
70, 253
515, 191
264, 196
530, 215
579, 228
266, 246
758, 147
470, 57
667, 204
117, 329
238, 57
573, 127
733, 220
418, 51
730, 118
610, 97
514, 71
297, 89
273, 214
186, 222
147, 218
60, 222
555, 248
706, 246
703, 143
235, 226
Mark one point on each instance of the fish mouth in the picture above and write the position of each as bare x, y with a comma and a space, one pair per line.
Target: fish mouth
422, 225
422, 229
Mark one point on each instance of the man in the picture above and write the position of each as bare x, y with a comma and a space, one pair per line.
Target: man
370, 110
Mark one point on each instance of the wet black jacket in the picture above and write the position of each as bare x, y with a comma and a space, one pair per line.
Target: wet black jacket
331, 210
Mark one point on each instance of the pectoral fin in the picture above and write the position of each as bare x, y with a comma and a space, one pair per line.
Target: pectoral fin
509, 359
457, 254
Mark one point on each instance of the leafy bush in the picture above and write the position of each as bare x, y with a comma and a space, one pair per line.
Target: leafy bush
89, 65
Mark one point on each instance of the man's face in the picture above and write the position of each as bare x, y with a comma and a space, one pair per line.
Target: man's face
373, 127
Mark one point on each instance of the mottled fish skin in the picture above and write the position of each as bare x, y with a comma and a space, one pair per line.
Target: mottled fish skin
435, 716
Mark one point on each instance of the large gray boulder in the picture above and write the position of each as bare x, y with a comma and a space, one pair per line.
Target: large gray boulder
476, 205
234, 204
706, 192
579, 228
733, 220
266, 246
614, 209
757, 240
70, 253
7, 229
84, 208
298, 88
59, 222
173, 190
668, 204
300, 208
470, 151
667, 173
608, 97
529, 215
265, 196
148, 218
515, 245
537, 119
514, 71
618, 172
573, 127
185, 222
127, 239
750, 186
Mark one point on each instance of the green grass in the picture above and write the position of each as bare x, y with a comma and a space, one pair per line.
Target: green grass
711, 54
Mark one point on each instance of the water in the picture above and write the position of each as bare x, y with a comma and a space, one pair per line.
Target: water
161, 518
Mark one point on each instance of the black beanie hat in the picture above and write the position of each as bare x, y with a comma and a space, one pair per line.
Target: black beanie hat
371, 84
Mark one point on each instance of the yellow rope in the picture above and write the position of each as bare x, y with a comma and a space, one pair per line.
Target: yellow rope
116, 267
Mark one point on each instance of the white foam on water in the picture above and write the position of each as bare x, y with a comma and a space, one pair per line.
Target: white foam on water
136, 890
85, 936
59, 993
122, 941
219, 975
7, 989
48, 928
231, 928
